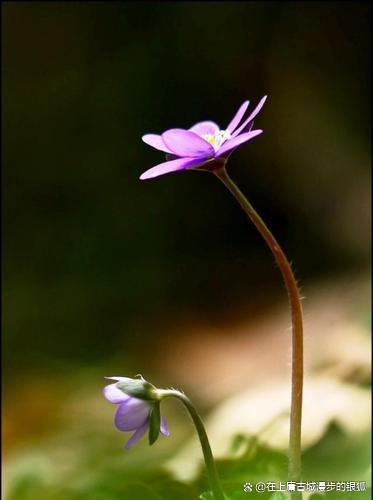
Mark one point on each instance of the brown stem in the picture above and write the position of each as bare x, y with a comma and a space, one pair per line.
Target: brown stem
297, 326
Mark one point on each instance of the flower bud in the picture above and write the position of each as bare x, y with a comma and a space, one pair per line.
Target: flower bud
136, 387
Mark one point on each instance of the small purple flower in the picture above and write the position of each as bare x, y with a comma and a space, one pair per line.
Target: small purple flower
203, 145
133, 414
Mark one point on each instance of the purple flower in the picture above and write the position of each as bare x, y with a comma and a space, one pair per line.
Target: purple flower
203, 145
135, 414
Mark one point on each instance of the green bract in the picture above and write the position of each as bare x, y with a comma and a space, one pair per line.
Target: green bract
154, 423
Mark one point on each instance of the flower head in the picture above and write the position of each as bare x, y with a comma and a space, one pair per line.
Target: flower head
139, 414
204, 145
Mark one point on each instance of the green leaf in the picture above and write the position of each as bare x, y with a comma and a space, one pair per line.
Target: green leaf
338, 456
154, 423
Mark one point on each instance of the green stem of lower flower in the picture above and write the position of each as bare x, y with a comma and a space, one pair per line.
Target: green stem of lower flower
206, 448
297, 326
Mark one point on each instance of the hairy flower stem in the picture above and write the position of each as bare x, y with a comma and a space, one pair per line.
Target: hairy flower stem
297, 327
206, 449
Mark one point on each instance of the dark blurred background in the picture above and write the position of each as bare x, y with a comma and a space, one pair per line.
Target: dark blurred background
97, 263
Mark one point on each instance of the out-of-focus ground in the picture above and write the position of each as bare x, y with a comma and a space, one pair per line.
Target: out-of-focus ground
216, 363
248, 376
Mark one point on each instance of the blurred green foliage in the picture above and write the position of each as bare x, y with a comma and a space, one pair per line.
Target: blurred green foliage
335, 458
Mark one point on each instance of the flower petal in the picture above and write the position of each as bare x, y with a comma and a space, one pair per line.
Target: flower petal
131, 414
169, 166
203, 128
227, 154
236, 141
237, 117
155, 141
118, 379
186, 143
251, 116
164, 428
136, 436
113, 394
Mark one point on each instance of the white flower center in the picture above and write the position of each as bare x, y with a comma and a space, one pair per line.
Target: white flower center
217, 139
